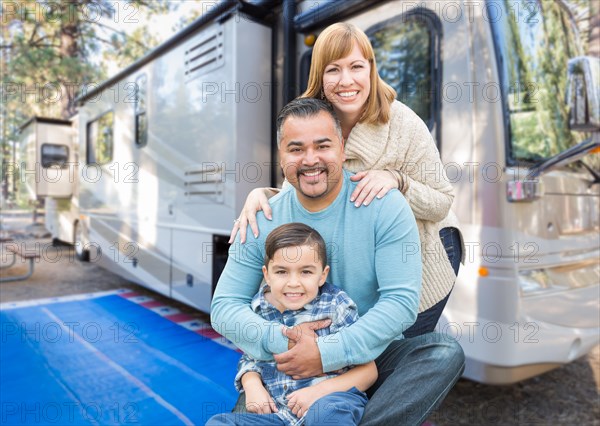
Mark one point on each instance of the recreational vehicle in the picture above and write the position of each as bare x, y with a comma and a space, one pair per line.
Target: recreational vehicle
170, 147
48, 171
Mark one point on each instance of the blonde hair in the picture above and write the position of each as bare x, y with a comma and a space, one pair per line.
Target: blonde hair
336, 42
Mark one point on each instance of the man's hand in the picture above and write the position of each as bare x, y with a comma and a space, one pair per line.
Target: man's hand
303, 359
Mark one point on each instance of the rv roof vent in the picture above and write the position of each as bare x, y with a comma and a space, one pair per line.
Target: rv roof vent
204, 53
203, 183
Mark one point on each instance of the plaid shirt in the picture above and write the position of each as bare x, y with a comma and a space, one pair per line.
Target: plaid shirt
331, 302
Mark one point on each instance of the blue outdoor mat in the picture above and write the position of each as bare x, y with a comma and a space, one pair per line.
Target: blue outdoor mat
108, 359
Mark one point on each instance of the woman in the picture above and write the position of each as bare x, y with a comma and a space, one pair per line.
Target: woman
388, 146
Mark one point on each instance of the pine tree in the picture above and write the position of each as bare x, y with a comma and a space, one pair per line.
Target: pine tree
51, 50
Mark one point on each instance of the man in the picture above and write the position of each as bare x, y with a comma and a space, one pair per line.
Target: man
374, 256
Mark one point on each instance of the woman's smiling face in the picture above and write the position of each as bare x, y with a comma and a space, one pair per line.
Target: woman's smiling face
347, 84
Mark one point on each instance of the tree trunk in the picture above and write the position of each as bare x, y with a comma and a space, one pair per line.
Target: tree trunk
594, 30
69, 48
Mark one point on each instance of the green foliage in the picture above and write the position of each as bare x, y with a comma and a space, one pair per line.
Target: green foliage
403, 54
57, 45
50, 50
536, 49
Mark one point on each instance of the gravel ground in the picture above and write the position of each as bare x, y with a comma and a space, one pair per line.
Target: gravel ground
569, 395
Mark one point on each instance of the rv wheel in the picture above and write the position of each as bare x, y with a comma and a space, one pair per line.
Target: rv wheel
81, 252
59, 243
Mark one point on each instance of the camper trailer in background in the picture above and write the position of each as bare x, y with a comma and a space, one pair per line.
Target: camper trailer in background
170, 147
49, 171
46, 149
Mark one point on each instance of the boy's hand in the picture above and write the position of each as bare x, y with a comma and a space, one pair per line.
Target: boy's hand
301, 400
259, 401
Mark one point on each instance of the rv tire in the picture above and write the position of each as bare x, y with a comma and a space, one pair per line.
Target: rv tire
80, 251
56, 242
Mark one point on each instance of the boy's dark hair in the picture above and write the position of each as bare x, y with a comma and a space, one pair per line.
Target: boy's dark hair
303, 108
295, 235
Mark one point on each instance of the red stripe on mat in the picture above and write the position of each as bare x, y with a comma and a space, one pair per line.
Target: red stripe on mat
208, 332
129, 294
181, 318
152, 304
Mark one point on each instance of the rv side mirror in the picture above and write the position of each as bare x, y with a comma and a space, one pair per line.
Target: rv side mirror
583, 93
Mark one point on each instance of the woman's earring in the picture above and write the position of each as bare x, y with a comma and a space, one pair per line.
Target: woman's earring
322, 95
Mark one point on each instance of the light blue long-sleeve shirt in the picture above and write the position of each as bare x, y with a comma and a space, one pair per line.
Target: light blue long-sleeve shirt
374, 254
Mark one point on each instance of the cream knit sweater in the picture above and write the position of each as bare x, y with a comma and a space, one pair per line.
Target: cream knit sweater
405, 144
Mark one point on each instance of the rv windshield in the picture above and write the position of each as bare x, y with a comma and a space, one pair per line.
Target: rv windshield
534, 40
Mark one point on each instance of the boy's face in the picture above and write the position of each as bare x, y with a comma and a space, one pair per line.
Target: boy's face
294, 276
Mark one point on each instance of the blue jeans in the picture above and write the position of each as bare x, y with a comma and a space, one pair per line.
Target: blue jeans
451, 240
415, 375
338, 408
427, 320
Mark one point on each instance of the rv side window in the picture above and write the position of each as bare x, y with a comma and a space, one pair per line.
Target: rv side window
534, 40
54, 155
407, 51
141, 118
100, 139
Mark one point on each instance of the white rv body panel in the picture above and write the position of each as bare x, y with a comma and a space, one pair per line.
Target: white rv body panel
155, 210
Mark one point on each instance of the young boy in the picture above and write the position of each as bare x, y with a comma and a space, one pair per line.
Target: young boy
294, 292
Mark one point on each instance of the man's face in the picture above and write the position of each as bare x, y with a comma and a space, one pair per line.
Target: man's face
311, 156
